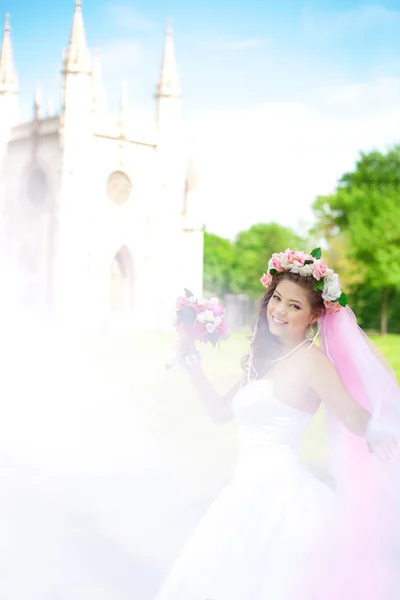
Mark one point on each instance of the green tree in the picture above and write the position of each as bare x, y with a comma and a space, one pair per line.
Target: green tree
219, 255
253, 250
366, 210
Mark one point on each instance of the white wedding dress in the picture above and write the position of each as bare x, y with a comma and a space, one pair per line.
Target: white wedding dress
254, 541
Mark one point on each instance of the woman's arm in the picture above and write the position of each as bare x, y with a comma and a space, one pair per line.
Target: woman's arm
326, 382
218, 407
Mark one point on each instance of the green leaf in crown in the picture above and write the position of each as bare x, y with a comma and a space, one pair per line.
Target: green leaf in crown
343, 300
316, 253
319, 286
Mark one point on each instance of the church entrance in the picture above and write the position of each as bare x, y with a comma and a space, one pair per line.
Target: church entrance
121, 283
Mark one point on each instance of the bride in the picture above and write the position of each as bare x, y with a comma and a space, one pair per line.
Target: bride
276, 532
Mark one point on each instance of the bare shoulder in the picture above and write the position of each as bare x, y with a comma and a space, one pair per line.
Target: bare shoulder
316, 362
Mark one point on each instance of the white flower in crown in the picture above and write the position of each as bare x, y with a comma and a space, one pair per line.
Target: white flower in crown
332, 291
201, 317
306, 271
217, 321
284, 262
210, 327
294, 269
330, 276
192, 299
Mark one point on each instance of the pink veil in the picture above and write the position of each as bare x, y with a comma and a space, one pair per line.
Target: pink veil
371, 381
364, 556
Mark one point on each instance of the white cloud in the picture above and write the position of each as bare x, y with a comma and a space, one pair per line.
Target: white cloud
269, 162
383, 90
334, 25
123, 16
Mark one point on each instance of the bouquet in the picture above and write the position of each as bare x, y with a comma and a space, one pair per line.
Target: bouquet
200, 320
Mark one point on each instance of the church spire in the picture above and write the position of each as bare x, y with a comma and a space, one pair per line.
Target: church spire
168, 83
99, 95
37, 103
123, 107
76, 56
8, 74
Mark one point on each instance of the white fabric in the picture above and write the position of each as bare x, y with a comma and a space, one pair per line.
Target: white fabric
253, 542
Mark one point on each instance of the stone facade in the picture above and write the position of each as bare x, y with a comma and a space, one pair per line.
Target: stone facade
97, 225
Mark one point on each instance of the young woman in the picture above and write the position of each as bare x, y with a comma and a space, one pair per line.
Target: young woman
276, 532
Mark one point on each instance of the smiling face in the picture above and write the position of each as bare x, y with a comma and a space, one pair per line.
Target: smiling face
289, 312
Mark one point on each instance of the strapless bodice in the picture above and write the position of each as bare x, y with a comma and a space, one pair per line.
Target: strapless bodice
263, 420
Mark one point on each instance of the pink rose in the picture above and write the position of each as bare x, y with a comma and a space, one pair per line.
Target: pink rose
275, 262
216, 307
332, 307
295, 258
199, 331
320, 269
266, 280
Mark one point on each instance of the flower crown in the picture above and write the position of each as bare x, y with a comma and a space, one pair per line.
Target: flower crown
307, 265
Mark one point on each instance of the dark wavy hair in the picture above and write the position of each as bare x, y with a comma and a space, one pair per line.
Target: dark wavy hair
264, 346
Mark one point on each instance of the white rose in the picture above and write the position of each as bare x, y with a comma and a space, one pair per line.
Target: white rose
330, 276
210, 327
192, 299
217, 321
295, 269
332, 290
202, 301
209, 315
201, 317
284, 262
306, 271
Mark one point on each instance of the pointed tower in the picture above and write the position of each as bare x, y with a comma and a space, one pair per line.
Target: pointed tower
169, 117
99, 94
75, 141
9, 103
37, 103
168, 95
123, 107
76, 72
76, 56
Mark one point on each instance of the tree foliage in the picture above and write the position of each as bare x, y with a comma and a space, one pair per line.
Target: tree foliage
253, 250
366, 210
219, 255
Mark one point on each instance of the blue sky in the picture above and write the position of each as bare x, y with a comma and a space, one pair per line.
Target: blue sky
279, 95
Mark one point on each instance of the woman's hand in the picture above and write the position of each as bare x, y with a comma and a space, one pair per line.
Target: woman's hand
185, 351
382, 441
185, 345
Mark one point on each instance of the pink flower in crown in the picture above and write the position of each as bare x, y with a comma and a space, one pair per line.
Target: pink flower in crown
320, 269
266, 280
332, 307
293, 258
275, 262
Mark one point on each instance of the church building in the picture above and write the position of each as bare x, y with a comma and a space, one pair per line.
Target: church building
97, 225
